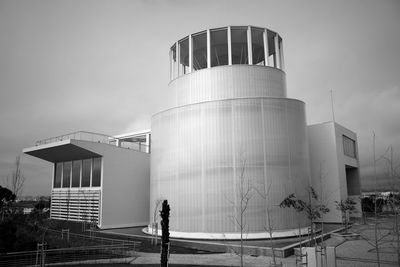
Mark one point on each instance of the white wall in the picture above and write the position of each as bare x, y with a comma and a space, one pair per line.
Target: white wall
125, 185
328, 164
324, 167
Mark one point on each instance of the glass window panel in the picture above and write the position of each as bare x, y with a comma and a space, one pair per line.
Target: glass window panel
271, 48
76, 173
199, 51
219, 47
173, 62
57, 175
66, 181
96, 172
257, 41
349, 147
86, 166
184, 56
239, 45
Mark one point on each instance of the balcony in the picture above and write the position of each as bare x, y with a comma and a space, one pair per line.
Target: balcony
137, 144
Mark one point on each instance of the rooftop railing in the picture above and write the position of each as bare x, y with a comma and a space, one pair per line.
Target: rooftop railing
97, 138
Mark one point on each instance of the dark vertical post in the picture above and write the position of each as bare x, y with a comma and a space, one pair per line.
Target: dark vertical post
165, 233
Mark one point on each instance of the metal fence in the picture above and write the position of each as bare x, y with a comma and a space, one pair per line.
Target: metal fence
78, 248
67, 255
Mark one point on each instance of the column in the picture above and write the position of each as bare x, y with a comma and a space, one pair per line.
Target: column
266, 49
277, 58
190, 54
249, 46
208, 49
281, 54
177, 60
229, 45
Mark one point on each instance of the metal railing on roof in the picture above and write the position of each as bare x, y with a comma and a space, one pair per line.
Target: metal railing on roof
97, 138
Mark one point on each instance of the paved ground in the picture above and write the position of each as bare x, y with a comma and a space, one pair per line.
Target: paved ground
225, 259
350, 253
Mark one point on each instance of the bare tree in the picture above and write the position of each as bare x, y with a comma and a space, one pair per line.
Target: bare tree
393, 200
346, 207
312, 208
154, 226
269, 227
244, 195
16, 181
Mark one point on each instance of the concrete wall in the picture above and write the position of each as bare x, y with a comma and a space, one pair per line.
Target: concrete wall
125, 185
328, 165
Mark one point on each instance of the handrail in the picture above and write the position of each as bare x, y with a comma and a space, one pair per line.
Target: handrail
79, 135
95, 137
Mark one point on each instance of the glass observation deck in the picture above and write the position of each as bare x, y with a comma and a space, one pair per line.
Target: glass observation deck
230, 45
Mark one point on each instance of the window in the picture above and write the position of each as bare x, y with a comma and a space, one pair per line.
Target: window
349, 147
199, 51
219, 47
76, 173
239, 45
257, 42
96, 172
86, 166
173, 66
57, 175
66, 181
184, 56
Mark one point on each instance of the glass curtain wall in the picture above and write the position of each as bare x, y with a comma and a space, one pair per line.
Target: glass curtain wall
239, 45
199, 43
86, 166
257, 43
78, 173
271, 55
271, 48
183, 56
173, 64
58, 175
219, 47
66, 174
96, 172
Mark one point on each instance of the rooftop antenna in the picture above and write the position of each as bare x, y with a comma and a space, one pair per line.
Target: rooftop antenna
333, 111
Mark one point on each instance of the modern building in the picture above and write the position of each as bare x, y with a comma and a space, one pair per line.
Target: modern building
98, 178
230, 142
334, 166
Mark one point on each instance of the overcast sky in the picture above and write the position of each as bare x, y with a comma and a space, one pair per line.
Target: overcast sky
102, 66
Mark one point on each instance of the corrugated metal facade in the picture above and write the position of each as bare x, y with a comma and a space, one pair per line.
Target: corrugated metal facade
224, 120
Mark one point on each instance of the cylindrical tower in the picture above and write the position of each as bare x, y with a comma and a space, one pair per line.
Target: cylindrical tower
229, 130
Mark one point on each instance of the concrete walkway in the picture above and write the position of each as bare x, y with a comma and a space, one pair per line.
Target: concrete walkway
224, 259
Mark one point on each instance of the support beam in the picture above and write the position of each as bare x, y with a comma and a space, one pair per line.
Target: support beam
178, 56
282, 58
277, 57
249, 46
266, 49
229, 45
208, 49
190, 54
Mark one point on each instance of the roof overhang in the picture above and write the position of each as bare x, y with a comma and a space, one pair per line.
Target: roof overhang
65, 150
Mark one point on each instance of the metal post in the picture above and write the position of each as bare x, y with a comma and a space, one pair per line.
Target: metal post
249, 46
229, 45
266, 49
208, 49
190, 54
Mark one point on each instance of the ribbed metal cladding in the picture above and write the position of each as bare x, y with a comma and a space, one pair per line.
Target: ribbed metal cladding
199, 150
226, 82
221, 121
